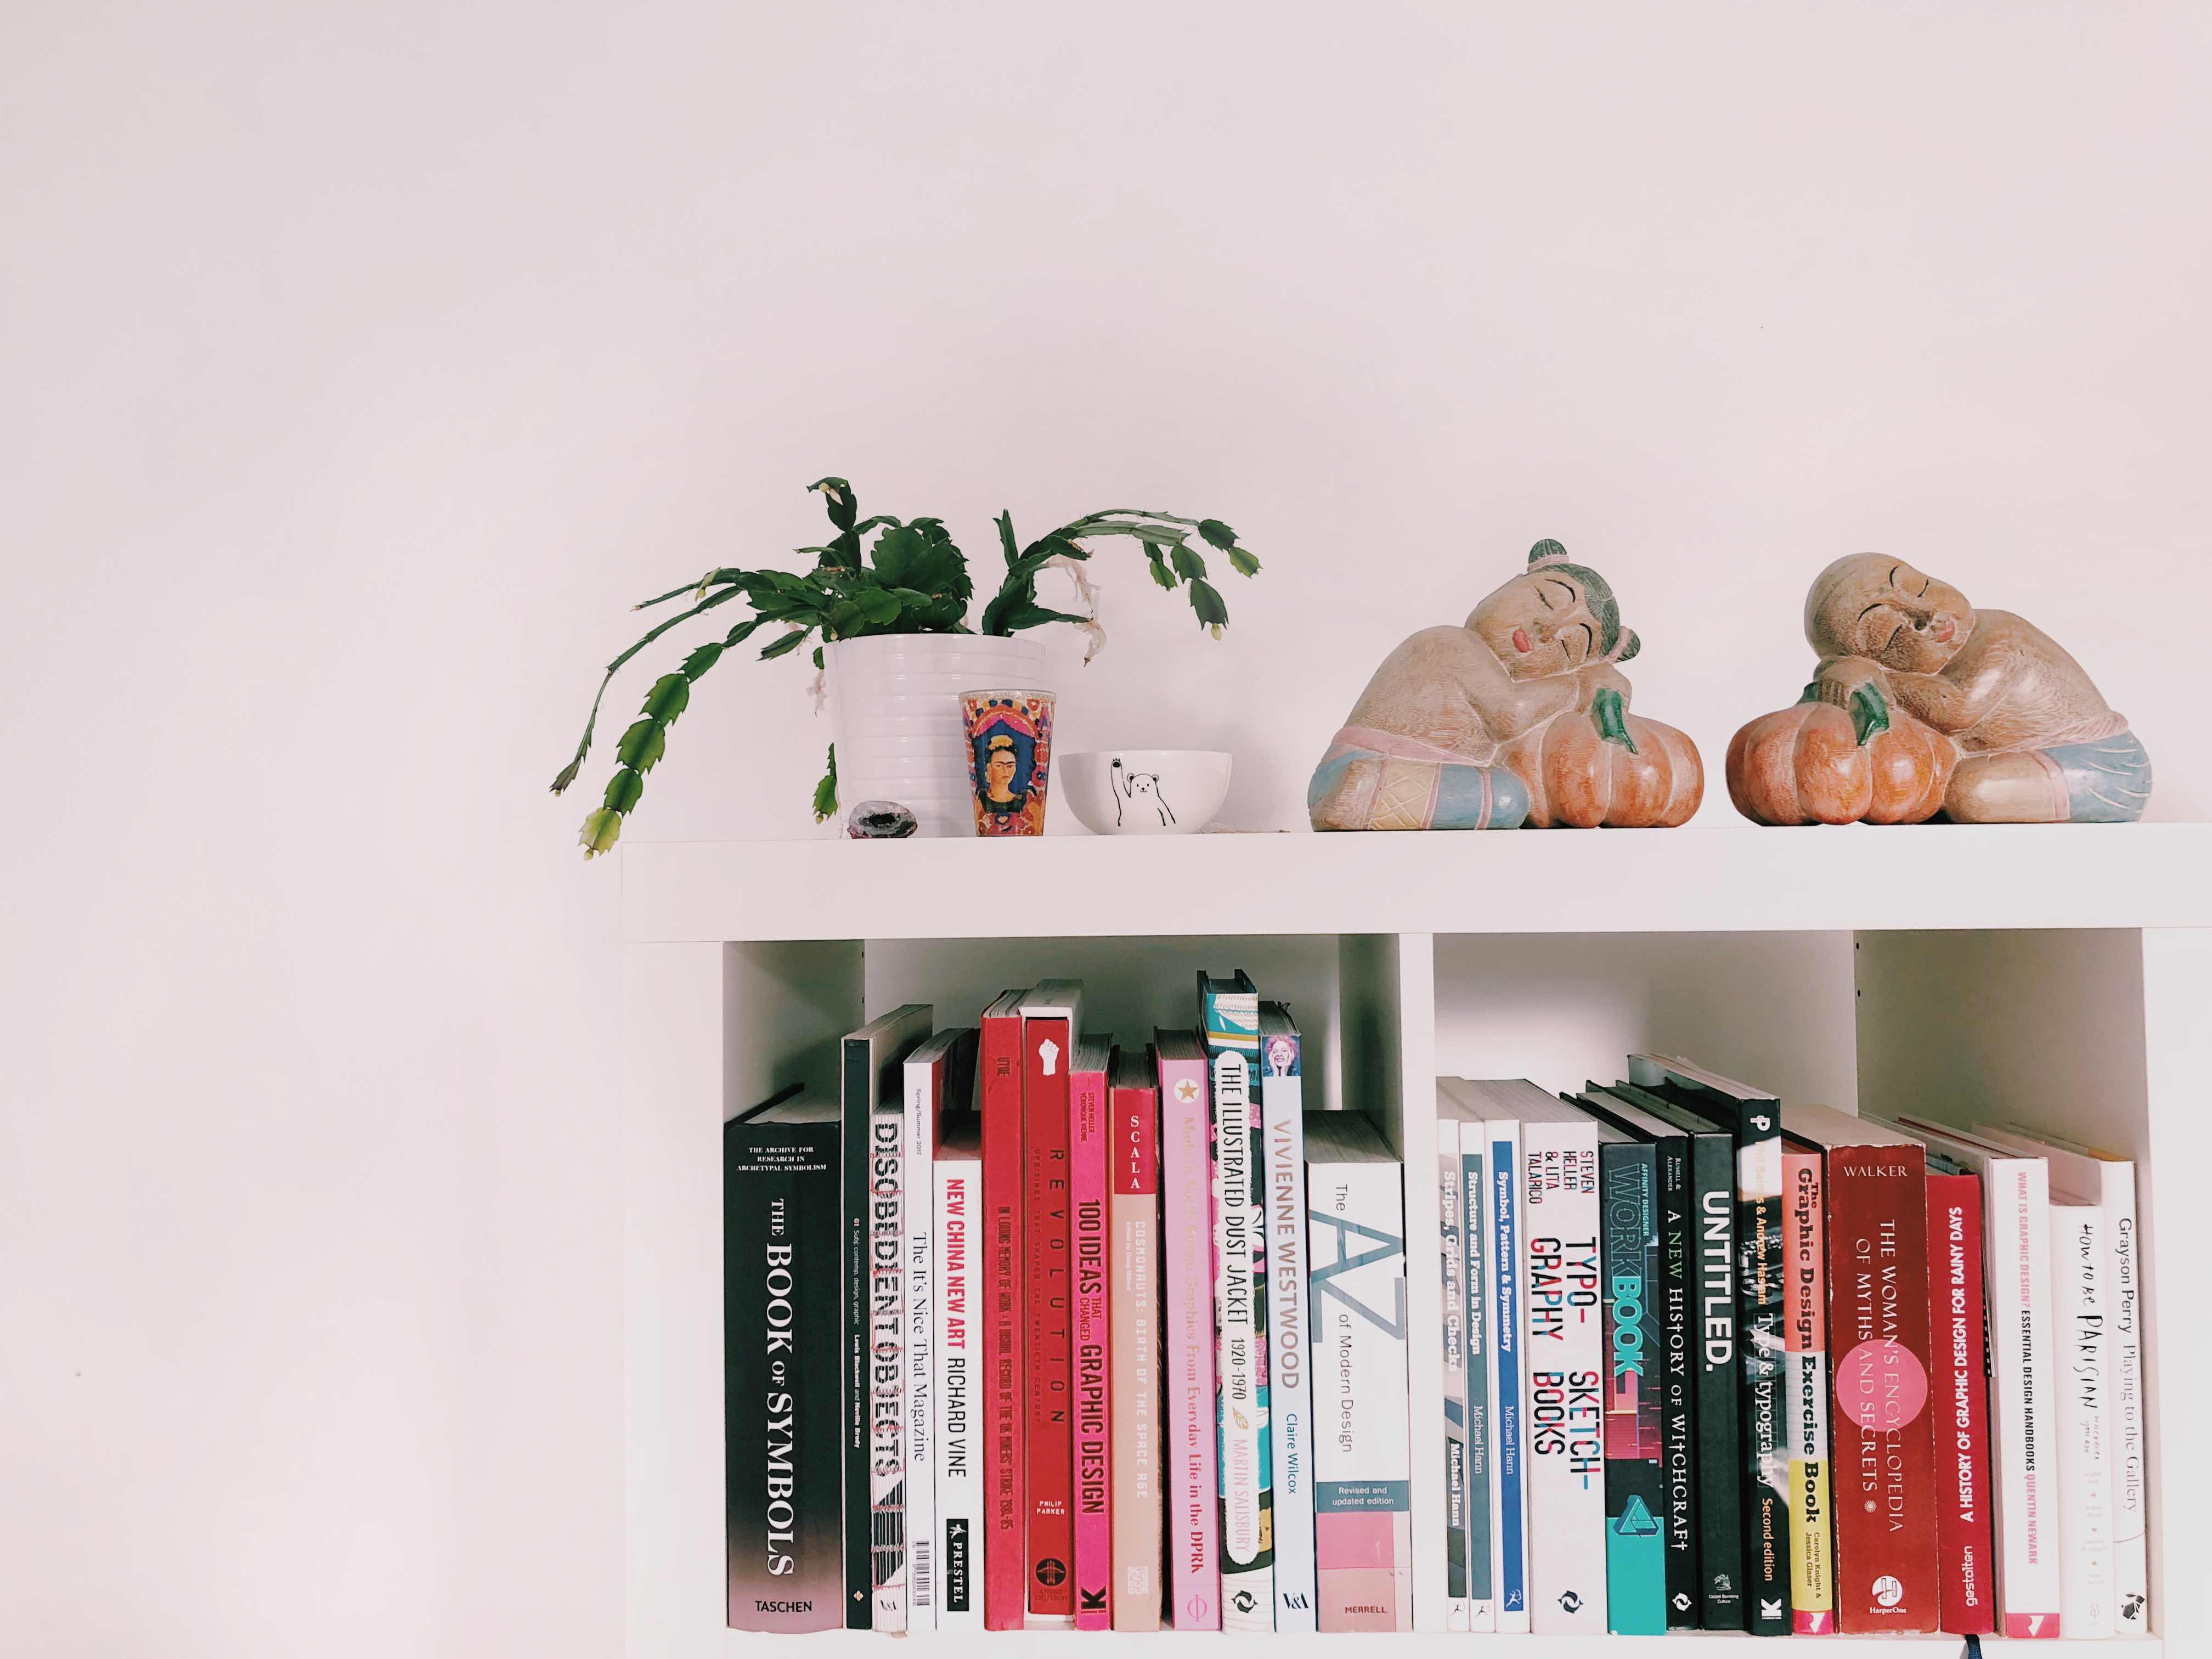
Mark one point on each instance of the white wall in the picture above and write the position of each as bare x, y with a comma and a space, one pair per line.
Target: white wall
361, 364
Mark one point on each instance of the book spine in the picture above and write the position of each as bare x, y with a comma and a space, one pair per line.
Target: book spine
2016, 1268
1635, 1482
1805, 1330
1363, 1458
925, 1081
2130, 1448
887, 1365
1006, 1575
1481, 1577
1760, 1345
1245, 1455
1133, 1395
1885, 1574
1966, 1586
783, 1347
856, 1113
1458, 1608
1509, 1378
1290, 1335
1561, 1283
956, 1563
1087, 1138
1719, 1461
1045, 1044
1194, 1527
1678, 1282
2085, 1474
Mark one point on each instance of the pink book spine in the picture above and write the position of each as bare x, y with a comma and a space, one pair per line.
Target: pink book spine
1193, 1520
1088, 1136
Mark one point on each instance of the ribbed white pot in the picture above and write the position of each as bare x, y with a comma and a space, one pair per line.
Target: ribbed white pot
895, 716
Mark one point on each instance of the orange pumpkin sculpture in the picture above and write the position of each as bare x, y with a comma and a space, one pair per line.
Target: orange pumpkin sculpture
1822, 762
1517, 715
1925, 703
1612, 768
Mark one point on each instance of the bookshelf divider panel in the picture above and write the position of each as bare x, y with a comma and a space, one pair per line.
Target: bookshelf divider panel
2176, 1016
672, 1101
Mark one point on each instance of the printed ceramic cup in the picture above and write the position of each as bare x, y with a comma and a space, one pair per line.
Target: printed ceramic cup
1009, 758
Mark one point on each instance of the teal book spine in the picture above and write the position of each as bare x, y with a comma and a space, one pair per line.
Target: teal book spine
1635, 1478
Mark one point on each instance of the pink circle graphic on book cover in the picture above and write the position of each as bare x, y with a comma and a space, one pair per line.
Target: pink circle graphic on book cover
1881, 1386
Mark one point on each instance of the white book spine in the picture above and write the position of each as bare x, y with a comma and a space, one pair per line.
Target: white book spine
1458, 1610
1506, 1356
886, 1370
1564, 1321
957, 1361
2017, 1229
1247, 1477
1290, 1337
2078, 1267
1363, 1449
921, 1083
2130, 1446
2112, 1182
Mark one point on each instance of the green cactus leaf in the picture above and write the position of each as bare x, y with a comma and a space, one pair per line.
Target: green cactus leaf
623, 790
642, 745
601, 830
1211, 612
670, 697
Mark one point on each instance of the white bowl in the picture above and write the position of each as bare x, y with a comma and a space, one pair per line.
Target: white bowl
1143, 792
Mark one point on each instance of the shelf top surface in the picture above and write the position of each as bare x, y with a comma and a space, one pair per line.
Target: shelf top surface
1695, 879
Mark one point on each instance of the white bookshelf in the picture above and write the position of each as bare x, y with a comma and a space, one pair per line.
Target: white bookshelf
2060, 975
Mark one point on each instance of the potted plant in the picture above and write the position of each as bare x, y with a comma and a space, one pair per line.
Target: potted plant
889, 621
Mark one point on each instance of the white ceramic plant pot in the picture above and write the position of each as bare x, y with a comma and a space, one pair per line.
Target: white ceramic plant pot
895, 716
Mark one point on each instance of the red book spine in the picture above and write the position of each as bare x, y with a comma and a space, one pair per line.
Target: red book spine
1885, 1475
1045, 1099
1089, 1132
1964, 1544
999, 1058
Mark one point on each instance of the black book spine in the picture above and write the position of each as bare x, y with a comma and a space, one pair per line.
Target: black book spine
1677, 1378
784, 1394
1719, 1461
1766, 1431
857, 1098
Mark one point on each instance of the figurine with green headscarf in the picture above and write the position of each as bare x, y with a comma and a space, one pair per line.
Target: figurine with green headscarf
1517, 716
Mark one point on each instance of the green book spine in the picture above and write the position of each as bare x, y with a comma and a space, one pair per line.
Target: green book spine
1635, 1480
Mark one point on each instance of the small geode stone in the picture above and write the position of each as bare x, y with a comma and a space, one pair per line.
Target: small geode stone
879, 820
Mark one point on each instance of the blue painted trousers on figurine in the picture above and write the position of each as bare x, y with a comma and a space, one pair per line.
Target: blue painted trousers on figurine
1371, 779
2107, 782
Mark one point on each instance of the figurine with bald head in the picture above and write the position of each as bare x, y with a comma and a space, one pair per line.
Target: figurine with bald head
2036, 742
1517, 715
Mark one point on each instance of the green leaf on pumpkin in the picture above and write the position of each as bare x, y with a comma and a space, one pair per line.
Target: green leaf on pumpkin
1869, 711
1610, 715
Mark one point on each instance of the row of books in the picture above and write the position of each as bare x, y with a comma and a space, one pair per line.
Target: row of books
1025, 1328
1643, 1284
